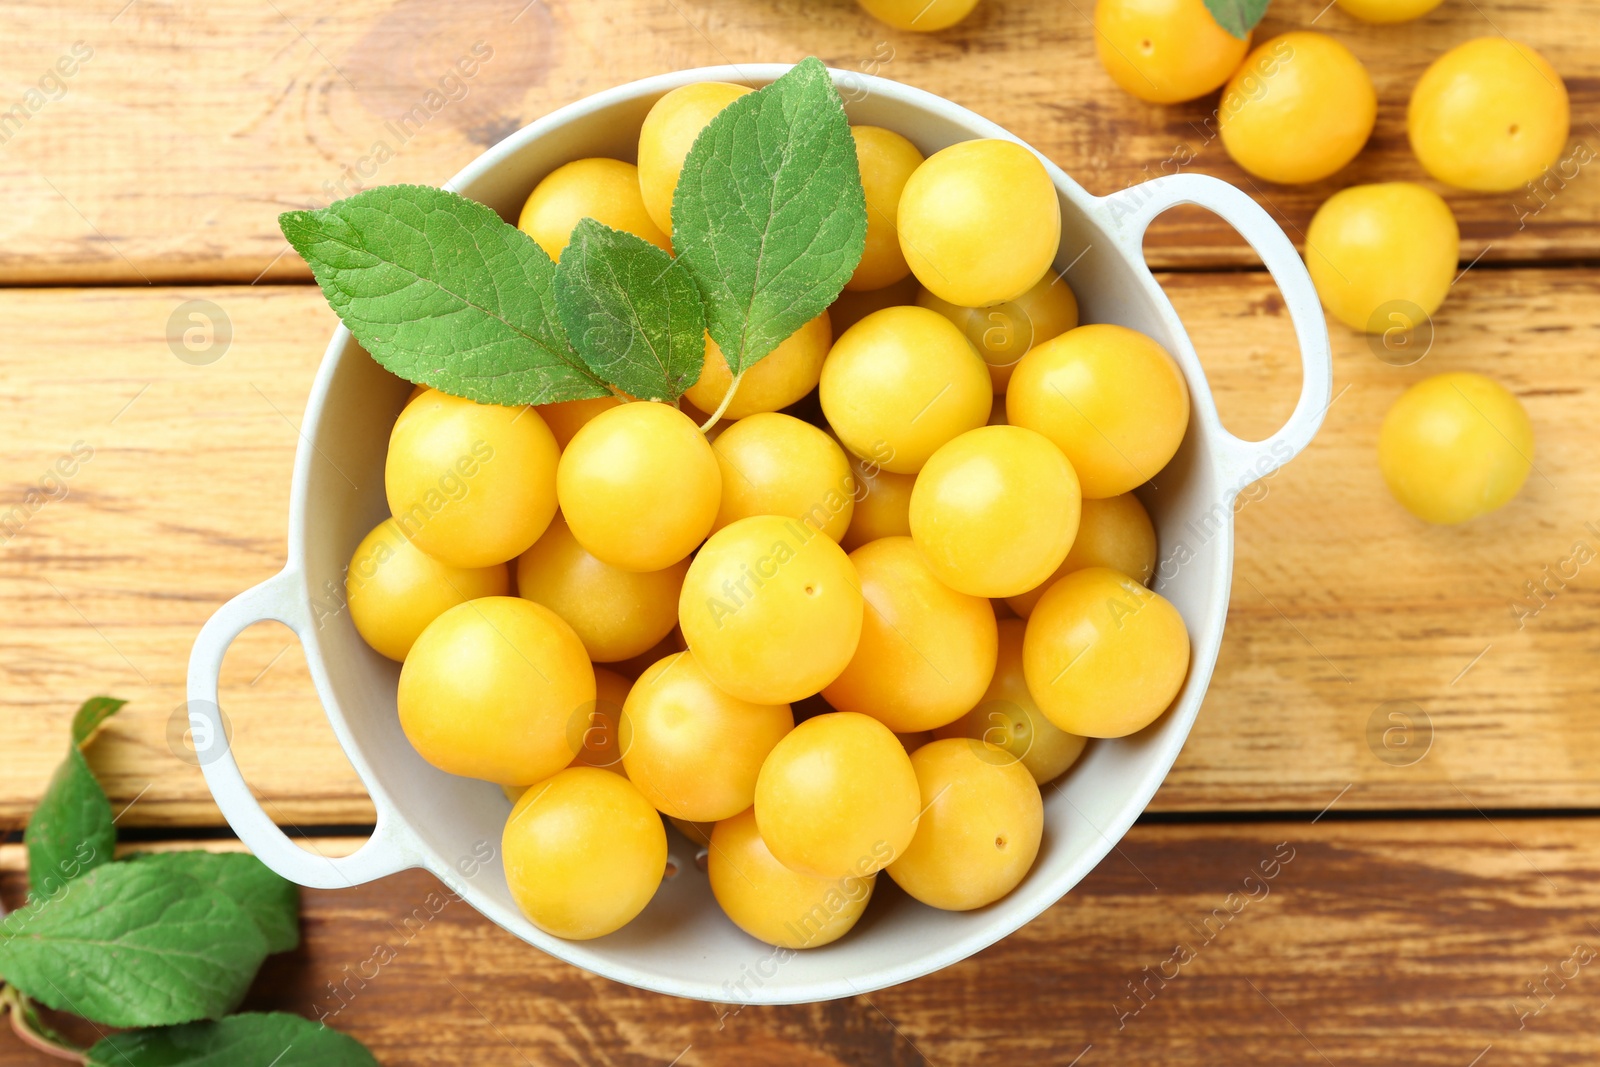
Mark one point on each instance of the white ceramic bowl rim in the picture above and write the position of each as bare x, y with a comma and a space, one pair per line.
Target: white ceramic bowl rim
1107, 271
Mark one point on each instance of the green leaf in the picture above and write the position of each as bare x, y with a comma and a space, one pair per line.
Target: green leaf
769, 214
1238, 17
249, 1040
91, 716
133, 944
70, 832
442, 291
272, 902
632, 311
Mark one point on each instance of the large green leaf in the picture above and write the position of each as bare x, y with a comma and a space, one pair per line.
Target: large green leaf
769, 214
251, 1040
442, 291
272, 902
133, 944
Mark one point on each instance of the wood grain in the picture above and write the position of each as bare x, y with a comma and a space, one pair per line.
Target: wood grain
1377, 943
1341, 601
182, 504
138, 492
168, 154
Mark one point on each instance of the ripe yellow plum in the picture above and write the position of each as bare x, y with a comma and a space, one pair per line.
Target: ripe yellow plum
882, 505
606, 190
774, 464
584, 853
887, 160
595, 735
1165, 51
1370, 246
995, 510
980, 222
395, 589
635, 666
770, 902
1003, 333
618, 614
639, 486
837, 797
927, 652
669, 131
1385, 11
980, 828
1490, 115
490, 689
1298, 109
1110, 398
775, 381
924, 16
854, 305
565, 418
771, 609
1454, 447
1009, 719
1104, 656
902, 382
692, 749
470, 484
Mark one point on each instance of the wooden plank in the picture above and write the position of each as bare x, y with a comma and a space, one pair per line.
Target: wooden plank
181, 503
1343, 604
1341, 601
169, 152
1377, 942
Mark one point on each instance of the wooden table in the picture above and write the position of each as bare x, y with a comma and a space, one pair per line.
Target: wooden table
1425, 899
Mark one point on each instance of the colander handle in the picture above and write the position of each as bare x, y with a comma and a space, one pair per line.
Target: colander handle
281, 598
1134, 208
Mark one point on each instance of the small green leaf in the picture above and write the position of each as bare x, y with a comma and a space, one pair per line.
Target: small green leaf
632, 311
133, 944
272, 902
249, 1040
70, 832
1238, 17
91, 716
442, 291
769, 214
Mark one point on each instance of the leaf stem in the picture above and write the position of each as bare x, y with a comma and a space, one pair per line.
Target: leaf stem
727, 398
11, 1003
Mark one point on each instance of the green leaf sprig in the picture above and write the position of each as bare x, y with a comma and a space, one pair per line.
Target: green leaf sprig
769, 222
167, 942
